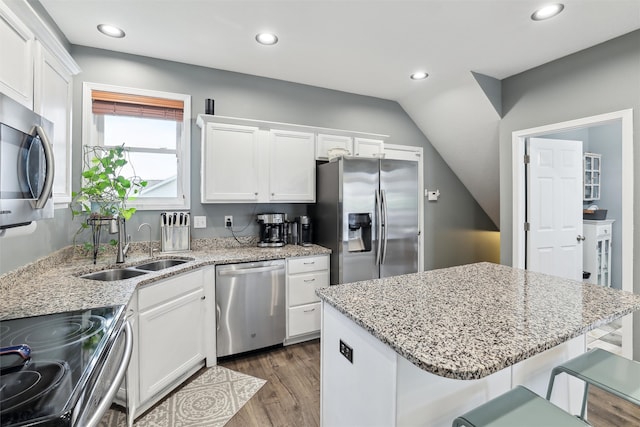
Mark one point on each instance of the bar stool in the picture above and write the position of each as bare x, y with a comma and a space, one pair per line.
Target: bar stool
518, 407
607, 371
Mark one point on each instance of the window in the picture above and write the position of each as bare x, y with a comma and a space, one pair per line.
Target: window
155, 129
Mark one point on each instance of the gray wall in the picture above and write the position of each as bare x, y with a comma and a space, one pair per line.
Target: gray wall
452, 224
598, 80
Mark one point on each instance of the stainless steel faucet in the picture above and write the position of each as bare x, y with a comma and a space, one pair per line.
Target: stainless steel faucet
123, 239
150, 248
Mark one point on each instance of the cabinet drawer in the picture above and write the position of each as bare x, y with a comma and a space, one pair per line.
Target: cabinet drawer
302, 287
306, 264
304, 319
603, 230
169, 289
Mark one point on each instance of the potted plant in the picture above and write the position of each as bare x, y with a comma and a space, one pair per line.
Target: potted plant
105, 190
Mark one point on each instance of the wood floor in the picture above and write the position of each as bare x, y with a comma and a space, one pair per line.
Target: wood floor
291, 396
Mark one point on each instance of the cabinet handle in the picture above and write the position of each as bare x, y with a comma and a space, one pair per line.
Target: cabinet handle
309, 311
203, 297
309, 280
580, 238
255, 194
309, 263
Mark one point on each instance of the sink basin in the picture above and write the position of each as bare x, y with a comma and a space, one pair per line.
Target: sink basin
114, 274
160, 264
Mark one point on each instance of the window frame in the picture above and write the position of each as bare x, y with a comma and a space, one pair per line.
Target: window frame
92, 136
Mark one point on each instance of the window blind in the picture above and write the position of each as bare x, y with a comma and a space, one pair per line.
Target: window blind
136, 105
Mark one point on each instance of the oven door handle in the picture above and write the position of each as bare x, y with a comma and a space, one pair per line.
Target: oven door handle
105, 403
43, 198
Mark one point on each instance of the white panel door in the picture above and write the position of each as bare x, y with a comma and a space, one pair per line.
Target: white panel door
554, 207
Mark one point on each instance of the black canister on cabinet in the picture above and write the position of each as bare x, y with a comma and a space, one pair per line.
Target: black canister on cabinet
209, 106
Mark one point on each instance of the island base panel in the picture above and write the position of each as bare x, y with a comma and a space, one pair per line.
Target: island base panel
382, 388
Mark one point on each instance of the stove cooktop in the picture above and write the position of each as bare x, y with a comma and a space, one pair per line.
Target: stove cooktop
43, 387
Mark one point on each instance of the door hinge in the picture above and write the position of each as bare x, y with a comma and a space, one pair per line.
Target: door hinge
527, 226
527, 159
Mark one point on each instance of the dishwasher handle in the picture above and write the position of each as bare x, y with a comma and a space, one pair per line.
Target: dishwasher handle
249, 270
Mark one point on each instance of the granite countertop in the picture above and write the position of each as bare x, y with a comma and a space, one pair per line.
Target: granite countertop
52, 285
470, 321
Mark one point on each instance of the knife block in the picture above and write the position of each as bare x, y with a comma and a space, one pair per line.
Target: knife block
175, 236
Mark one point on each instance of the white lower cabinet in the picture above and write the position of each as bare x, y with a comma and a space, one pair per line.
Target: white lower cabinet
596, 250
171, 337
304, 276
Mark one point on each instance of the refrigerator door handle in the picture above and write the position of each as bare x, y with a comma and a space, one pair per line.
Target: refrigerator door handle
383, 199
378, 227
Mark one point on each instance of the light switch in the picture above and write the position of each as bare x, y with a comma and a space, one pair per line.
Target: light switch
199, 222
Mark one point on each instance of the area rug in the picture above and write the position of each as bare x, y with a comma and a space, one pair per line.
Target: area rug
209, 399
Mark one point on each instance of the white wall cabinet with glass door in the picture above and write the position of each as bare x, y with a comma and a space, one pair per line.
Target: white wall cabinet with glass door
597, 251
592, 172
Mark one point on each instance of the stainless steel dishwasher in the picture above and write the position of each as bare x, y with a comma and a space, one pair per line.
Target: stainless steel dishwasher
250, 306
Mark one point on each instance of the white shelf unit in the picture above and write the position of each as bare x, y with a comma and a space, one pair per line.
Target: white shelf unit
592, 172
596, 252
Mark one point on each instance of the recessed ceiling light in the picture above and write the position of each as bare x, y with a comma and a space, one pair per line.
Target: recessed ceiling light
111, 31
547, 12
266, 38
420, 75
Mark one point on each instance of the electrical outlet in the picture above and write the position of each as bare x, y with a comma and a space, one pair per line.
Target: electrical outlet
228, 221
346, 351
199, 222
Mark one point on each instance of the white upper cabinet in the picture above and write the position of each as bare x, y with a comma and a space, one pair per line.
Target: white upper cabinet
37, 71
16, 53
255, 161
327, 142
366, 147
53, 99
230, 163
292, 171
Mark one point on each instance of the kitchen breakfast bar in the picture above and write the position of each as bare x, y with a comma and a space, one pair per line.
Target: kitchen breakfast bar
421, 349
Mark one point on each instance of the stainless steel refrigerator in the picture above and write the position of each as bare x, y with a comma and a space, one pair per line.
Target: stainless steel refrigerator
366, 212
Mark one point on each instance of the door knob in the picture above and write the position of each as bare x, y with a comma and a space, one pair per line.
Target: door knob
580, 238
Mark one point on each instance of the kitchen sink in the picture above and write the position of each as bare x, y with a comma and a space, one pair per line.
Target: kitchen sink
161, 264
113, 274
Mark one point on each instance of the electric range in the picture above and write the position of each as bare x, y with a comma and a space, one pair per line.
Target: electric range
58, 369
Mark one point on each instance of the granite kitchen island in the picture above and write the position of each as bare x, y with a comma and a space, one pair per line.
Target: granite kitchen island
427, 347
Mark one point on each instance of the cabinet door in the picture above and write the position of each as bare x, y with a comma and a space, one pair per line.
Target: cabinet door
170, 341
52, 100
230, 164
292, 167
327, 142
365, 147
16, 53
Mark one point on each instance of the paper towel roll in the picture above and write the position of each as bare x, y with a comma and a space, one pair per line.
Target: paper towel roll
19, 231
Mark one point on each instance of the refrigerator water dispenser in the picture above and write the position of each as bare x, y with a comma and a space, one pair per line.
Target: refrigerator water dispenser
359, 239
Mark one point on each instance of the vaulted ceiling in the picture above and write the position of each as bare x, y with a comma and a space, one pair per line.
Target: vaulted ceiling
369, 48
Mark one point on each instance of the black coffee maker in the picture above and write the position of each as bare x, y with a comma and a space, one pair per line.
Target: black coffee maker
272, 230
304, 230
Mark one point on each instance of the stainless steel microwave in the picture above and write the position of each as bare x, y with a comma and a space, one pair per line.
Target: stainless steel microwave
26, 165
